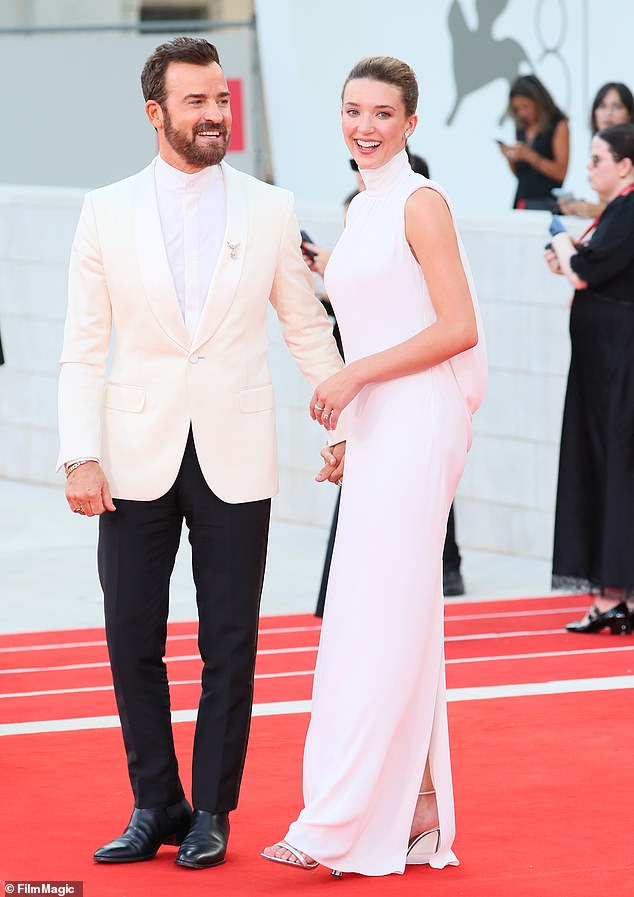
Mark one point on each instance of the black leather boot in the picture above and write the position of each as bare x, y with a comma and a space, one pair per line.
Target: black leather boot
145, 833
206, 842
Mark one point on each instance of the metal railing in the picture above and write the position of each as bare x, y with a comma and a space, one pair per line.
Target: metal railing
167, 25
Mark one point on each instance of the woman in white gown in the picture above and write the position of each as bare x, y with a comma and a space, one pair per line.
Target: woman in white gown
377, 775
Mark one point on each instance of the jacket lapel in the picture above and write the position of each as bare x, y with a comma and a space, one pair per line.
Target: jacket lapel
152, 257
226, 276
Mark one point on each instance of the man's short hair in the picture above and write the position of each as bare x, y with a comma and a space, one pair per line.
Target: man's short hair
195, 50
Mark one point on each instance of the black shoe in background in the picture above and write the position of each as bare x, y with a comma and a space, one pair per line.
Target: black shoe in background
452, 583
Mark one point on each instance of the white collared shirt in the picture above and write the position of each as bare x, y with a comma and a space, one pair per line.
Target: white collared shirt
193, 213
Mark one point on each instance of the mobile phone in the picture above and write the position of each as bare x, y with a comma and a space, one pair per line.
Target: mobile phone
560, 193
306, 239
498, 141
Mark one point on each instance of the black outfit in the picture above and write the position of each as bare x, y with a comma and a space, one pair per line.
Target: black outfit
137, 550
594, 521
1, 353
450, 555
533, 188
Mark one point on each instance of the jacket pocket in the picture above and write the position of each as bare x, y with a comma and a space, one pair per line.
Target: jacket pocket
260, 398
125, 398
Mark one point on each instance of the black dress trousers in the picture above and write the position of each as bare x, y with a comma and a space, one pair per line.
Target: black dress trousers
137, 549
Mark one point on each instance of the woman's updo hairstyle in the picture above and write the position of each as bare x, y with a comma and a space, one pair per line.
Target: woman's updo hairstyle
388, 70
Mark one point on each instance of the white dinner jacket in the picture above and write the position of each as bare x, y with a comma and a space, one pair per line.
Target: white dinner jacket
136, 420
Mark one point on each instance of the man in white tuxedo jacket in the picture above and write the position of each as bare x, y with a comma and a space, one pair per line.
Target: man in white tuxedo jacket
181, 261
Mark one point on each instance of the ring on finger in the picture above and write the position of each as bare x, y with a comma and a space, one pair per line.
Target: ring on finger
318, 407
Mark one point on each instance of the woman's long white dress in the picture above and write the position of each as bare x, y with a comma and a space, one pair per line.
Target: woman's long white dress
379, 703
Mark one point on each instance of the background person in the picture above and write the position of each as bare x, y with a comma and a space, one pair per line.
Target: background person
182, 259
612, 105
377, 780
594, 523
539, 158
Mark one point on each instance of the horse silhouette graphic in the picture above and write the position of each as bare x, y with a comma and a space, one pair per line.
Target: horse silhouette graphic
478, 58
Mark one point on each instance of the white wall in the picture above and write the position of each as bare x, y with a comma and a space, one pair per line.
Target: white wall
74, 111
506, 499
36, 229
26, 13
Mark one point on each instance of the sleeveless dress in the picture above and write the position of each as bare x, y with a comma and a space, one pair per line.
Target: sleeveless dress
533, 187
379, 703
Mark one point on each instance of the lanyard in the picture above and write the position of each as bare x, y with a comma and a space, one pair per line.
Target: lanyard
582, 239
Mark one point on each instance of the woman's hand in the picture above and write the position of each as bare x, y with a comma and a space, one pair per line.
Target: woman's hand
519, 152
316, 258
580, 207
552, 261
334, 394
564, 248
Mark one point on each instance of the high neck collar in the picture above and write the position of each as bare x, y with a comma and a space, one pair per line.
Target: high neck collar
380, 180
178, 181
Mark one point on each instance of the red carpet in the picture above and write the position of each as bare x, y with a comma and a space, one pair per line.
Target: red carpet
544, 794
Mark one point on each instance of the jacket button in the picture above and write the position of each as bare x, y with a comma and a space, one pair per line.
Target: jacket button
193, 359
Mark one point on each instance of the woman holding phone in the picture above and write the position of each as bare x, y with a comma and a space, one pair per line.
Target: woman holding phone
539, 157
377, 775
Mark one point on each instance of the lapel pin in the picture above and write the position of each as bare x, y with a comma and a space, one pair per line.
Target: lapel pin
233, 249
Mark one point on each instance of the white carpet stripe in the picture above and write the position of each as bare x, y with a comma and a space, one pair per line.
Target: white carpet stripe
313, 649
555, 687
523, 633
479, 693
95, 688
528, 633
176, 659
289, 674
17, 649
537, 655
516, 613
101, 643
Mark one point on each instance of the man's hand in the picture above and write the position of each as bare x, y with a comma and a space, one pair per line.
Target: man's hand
87, 490
334, 458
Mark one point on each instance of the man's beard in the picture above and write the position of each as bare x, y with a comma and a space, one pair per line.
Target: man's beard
191, 152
